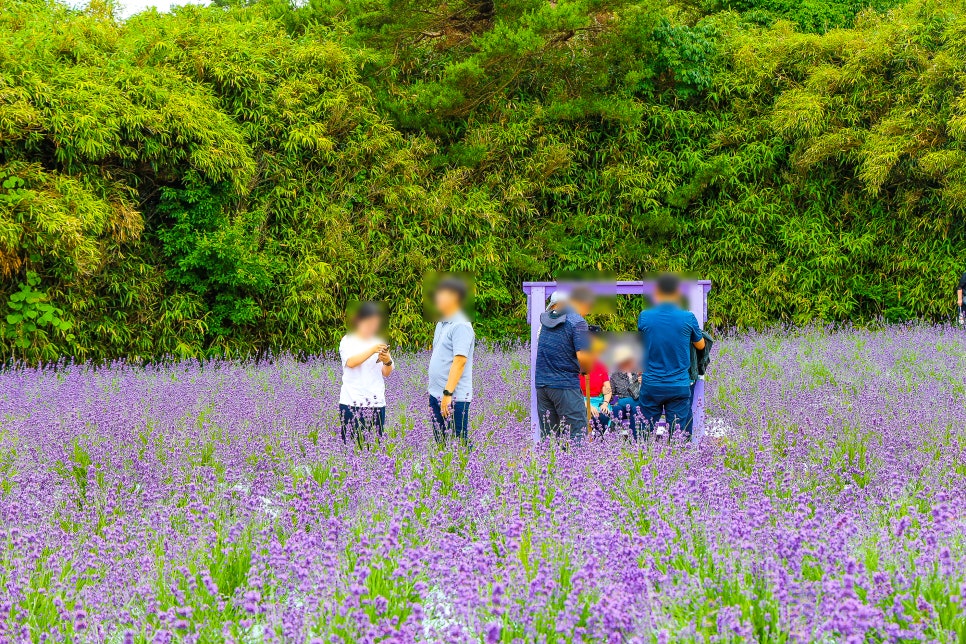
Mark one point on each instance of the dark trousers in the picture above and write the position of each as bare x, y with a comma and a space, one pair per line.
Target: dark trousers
674, 401
358, 422
627, 412
562, 411
457, 425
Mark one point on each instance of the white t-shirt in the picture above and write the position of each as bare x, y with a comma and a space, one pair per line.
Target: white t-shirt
362, 386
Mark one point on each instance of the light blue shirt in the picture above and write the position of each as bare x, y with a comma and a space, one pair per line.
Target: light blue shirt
454, 337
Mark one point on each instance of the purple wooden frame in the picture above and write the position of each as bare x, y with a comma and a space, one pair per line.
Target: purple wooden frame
696, 292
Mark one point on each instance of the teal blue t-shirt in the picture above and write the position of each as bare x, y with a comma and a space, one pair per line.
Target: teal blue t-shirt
667, 332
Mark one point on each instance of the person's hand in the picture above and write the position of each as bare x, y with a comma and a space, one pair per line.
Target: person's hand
604, 408
445, 405
385, 357
594, 412
640, 377
378, 348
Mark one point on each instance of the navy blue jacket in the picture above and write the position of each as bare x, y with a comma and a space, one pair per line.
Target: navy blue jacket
562, 335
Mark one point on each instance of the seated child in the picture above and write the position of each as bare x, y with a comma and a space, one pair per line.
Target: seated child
596, 383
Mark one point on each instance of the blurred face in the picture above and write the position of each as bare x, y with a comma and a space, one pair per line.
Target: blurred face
446, 301
582, 308
627, 366
597, 345
368, 327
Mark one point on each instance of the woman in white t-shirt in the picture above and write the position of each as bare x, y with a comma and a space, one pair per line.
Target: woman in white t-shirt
366, 363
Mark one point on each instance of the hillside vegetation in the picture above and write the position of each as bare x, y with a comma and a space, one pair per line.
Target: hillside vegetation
223, 180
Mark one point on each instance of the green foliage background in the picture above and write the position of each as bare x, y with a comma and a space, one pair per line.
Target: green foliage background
223, 180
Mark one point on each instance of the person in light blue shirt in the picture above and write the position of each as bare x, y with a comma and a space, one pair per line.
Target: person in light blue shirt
667, 334
451, 365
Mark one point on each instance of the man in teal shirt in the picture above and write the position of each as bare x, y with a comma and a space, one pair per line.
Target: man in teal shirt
667, 333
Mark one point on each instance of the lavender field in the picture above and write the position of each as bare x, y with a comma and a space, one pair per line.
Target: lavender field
216, 502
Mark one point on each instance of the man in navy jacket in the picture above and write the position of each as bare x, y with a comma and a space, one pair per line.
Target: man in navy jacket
563, 353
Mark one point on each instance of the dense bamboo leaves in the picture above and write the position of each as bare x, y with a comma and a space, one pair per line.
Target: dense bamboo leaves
226, 180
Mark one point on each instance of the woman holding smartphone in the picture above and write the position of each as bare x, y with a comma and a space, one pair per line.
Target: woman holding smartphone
366, 363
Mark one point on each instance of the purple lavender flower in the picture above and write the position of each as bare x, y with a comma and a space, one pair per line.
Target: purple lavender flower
217, 501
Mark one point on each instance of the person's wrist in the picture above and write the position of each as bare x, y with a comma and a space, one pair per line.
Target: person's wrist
447, 393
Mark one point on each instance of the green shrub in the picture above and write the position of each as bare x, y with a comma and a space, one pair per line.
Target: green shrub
223, 180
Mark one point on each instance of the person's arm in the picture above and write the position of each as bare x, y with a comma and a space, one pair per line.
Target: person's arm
582, 345
636, 387
455, 373
697, 338
359, 358
959, 296
607, 394
387, 363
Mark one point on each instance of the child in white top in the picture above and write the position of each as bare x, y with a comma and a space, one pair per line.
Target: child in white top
366, 363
